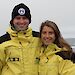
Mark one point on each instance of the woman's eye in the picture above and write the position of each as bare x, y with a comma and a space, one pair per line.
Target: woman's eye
44, 32
51, 32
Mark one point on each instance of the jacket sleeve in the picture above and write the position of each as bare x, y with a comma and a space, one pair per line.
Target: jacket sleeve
2, 57
66, 67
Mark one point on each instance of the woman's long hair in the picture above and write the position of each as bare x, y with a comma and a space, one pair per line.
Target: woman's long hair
59, 40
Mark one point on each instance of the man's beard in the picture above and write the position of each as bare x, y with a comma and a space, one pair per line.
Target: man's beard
20, 27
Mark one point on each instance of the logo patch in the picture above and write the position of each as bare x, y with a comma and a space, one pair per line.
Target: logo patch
21, 11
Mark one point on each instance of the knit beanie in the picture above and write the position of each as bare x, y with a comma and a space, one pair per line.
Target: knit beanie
22, 10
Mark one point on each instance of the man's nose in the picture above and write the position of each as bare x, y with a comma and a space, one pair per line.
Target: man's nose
21, 20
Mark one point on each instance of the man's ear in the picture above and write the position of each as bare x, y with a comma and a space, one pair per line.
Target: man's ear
11, 22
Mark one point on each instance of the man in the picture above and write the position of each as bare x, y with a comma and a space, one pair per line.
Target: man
18, 52
20, 12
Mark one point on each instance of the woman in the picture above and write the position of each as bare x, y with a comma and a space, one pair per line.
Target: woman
54, 52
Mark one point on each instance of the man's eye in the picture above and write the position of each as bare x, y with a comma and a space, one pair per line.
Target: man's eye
24, 18
17, 18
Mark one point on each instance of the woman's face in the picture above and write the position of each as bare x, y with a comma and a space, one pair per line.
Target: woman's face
20, 23
47, 35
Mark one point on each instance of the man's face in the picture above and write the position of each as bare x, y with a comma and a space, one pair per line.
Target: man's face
20, 23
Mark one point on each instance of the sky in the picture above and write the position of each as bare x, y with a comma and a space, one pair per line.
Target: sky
62, 12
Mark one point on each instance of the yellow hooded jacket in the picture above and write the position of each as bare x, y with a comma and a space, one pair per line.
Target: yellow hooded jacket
53, 64
18, 56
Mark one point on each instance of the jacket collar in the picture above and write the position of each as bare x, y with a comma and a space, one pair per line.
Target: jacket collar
51, 49
21, 35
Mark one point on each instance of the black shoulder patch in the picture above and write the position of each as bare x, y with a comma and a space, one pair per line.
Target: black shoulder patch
35, 34
73, 57
64, 55
4, 38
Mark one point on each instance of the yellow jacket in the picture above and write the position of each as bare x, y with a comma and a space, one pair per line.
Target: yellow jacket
18, 56
52, 64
